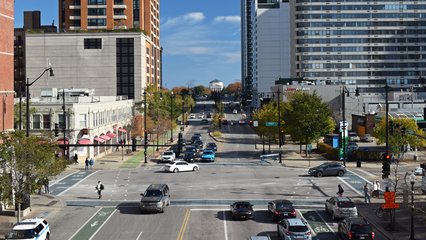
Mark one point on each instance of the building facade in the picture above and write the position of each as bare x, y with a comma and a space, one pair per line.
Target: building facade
360, 42
89, 119
216, 86
266, 47
6, 66
112, 63
110, 15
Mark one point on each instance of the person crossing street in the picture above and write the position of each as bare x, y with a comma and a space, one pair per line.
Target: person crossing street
99, 187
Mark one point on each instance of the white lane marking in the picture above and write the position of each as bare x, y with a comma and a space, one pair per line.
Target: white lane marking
350, 186
100, 227
365, 172
140, 234
84, 224
224, 225
366, 180
76, 183
326, 223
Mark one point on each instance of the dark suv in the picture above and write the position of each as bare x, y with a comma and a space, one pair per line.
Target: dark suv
280, 209
155, 198
328, 169
356, 228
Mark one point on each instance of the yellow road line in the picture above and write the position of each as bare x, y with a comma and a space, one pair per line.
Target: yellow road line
184, 223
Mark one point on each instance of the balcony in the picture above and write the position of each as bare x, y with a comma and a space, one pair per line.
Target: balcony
75, 27
119, 5
75, 5
96, 27
124, 17
75, 17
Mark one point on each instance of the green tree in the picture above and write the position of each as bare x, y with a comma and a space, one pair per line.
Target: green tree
306, 117
398, 139
24, 161
268, 113
24, 114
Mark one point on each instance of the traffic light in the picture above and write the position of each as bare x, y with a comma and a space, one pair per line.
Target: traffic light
386, 164
180, 143
56, 129
391, 128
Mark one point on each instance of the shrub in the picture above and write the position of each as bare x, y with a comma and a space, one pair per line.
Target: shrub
217, 134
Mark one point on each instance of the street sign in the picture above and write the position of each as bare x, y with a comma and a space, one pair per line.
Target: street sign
255, 123
309, 147
389, 197
271, 124
390, 205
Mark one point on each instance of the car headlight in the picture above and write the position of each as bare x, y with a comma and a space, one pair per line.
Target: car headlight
159, 204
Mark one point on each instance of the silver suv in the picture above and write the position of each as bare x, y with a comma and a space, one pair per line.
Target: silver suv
340, 207
155, 198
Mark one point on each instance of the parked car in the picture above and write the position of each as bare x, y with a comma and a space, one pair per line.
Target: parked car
242, 122
367, 138
155, 198
209, 115
352, 146
328, 169
181, 166
224, 122
192, 116
356, 228
204, 121
208, 155
168, 156
353, 137
340, 207
33, 228
190, 157
212, 145
242, 210
293, 228
280, 209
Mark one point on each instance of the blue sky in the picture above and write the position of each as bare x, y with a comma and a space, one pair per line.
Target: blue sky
200, 38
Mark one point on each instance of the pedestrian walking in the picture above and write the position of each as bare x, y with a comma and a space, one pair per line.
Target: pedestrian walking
99, 187
340, 190
376, 186
91, 163
75, 158
86, 163
366, 193
46, 185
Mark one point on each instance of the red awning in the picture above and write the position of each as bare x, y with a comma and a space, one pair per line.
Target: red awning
84, 141
105, 137
122, 130
98, 139
61, 141
111, 135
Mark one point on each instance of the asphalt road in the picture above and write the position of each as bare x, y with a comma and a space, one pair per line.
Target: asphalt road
200, 200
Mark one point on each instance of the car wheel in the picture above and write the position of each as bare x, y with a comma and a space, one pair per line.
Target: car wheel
195, 169
319, 174
175, 170
341, 173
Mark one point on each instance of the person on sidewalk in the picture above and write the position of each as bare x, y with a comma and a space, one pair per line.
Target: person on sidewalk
366, 193
75, 158
376, 187
46, 185
91, 163
86, 164
99, 187
340, 191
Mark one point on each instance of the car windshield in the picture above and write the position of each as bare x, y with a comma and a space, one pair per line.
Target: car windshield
242, 205
208, 151
361, 228
21, 234
283, 206
345, 204
298, 228
152, 193
168, 153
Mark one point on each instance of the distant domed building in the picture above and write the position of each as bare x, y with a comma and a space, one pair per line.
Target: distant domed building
216, 86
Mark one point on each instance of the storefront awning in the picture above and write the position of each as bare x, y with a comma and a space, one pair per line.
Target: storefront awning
111, 135
105, 137
122, 130
98, 139
84, 141
61, 141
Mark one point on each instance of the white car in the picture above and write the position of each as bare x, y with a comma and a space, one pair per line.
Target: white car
168, 156
192, 116
29, 229
181, 166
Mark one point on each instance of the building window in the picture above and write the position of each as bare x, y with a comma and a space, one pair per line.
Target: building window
46, 121
82, 118
125, 67
96, 22
96, 12
36, 121
93, 43
61, 122
96, 2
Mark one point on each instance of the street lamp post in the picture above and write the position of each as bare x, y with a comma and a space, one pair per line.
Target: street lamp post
279, 123
171, 116
27, 85
145, 135
412, 181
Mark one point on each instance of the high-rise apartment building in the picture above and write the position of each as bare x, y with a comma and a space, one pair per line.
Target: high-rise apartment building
110, 15
360, 41
265, 44
6, 65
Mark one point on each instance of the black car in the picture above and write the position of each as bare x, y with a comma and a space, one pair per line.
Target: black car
191, 148
280, 209
212, 145
199, 144
175, 149
242, 210
355, 228
328, 169
190, 157
195, 138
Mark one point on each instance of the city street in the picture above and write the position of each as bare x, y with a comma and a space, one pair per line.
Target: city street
200, 200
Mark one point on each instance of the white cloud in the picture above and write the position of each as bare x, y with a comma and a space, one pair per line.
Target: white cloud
230, 19
189, 18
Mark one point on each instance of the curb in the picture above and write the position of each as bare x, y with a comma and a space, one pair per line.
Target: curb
214, 138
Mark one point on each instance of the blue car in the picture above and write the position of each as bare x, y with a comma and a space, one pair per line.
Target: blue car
208, 155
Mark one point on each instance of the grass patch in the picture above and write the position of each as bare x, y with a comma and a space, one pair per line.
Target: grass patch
217, 134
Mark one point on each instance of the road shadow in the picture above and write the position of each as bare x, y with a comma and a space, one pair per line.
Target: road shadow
132, 208
273, 235
260, 216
